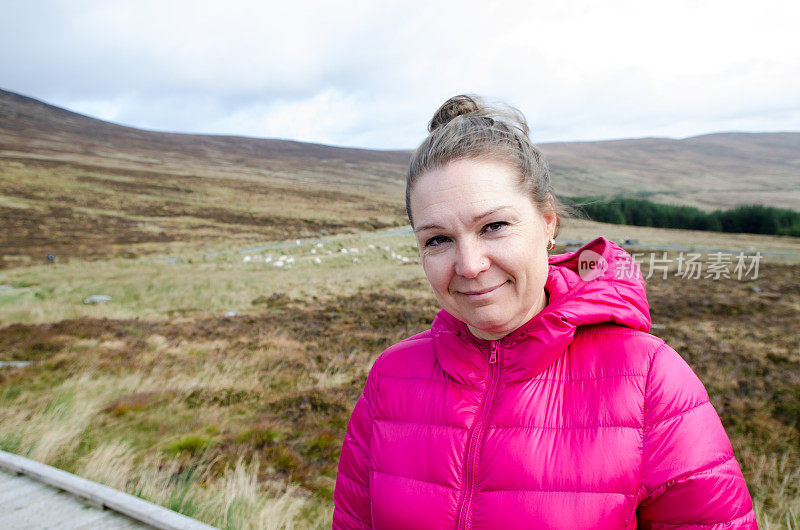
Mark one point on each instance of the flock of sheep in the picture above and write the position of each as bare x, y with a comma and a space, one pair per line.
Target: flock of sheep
318, 251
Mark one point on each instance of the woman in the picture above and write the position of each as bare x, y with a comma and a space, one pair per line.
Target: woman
537, 399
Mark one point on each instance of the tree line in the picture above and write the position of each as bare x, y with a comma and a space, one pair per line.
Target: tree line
752, 219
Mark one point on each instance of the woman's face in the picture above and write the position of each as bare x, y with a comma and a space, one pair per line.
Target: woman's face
483, 244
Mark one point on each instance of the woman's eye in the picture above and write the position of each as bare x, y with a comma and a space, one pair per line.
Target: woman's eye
494, 227
435, 241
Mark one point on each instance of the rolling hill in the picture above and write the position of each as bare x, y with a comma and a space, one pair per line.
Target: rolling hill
75, 185
709, 171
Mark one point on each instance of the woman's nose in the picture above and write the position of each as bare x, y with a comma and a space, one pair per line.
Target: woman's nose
471, 260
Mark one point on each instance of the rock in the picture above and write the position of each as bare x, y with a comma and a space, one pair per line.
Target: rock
14, 364
97, 299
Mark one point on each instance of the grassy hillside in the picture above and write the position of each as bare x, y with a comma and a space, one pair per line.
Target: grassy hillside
74, 186
713, 171
250, 292
220, 385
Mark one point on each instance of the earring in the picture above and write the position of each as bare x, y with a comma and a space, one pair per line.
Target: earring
551, 244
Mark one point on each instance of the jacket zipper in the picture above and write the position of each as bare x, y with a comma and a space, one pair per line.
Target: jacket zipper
475, 440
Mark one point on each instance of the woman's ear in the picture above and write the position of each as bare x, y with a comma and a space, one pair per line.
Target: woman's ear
550, 217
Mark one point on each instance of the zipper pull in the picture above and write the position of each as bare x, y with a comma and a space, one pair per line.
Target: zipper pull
493, 354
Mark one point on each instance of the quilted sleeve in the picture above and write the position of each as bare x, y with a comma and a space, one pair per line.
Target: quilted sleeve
351, 494
690, 478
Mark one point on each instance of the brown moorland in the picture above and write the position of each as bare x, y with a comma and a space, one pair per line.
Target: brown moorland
71, 185
76, 186
275, 387
238, 420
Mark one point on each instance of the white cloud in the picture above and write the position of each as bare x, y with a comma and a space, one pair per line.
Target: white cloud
370, 74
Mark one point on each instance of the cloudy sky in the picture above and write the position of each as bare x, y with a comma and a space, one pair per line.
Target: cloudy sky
371, 74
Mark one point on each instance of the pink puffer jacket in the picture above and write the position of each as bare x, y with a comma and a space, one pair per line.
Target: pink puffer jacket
578, 419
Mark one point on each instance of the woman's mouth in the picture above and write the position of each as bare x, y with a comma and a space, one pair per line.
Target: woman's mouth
479, 294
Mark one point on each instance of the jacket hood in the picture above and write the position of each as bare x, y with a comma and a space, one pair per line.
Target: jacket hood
598, 283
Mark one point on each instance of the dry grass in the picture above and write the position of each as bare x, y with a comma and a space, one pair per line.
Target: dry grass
238, 421
775, 481
215, 279
73, 211
157, 432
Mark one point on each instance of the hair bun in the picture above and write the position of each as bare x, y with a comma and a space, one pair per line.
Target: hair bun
452, 108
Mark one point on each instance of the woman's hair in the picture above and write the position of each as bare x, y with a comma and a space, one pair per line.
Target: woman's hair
466, 128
